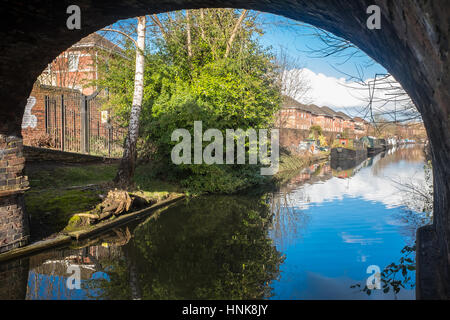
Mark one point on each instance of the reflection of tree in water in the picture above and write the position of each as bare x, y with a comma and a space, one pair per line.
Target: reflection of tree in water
48, 271
208, 248
417, 200
287, 219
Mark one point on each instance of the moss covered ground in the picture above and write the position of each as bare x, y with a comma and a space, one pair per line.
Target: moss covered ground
60, 191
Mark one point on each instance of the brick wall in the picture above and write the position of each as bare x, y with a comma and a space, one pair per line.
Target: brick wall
13, 221
43, 128
290, 138
14, 227
33, 124
12, 163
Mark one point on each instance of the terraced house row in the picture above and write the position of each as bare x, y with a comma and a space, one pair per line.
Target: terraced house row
295, 115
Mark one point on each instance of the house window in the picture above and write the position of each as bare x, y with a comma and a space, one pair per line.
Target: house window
72, 61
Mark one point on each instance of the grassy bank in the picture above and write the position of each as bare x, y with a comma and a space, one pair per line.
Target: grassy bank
290, 164
59, 192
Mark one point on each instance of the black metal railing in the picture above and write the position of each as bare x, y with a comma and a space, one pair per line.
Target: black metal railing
78, 123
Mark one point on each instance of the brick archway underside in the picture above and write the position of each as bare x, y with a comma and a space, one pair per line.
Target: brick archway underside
413, 45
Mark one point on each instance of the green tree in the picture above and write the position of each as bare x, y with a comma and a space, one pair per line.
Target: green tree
219, 249
203, 66
315, 131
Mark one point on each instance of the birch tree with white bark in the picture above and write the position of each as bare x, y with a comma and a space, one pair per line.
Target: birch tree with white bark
127, 165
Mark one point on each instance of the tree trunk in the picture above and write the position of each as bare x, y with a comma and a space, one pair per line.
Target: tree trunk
125, 172
233, 34
202, 21
188, 30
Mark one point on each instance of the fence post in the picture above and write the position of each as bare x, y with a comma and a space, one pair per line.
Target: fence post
63, 123
84, 125
109, 139
46, 110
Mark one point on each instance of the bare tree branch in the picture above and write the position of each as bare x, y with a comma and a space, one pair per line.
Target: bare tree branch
234, 32
122, 33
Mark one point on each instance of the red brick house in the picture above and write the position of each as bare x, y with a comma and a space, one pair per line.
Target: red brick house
295, 120
59, 114
334, 121
348, 124
295, 115
77, 66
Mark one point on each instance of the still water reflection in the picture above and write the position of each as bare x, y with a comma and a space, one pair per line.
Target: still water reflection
312, 239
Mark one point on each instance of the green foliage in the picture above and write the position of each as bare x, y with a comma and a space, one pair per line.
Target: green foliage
397, 276
315, 131
323, 141
346, 133
214, 247
221, 178
238, 91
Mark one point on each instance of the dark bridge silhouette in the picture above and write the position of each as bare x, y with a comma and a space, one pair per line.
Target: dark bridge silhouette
412, 44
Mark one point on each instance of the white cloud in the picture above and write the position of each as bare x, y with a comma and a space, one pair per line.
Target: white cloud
365, 185
339, 93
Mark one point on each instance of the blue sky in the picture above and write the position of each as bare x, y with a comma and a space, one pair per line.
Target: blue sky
298, 41
281, 32
329, 77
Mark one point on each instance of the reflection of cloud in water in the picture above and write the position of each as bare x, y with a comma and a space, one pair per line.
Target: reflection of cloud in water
352, 223
365, 185
362, 257
348, 238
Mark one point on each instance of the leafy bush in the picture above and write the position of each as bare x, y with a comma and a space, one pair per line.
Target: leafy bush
235, 91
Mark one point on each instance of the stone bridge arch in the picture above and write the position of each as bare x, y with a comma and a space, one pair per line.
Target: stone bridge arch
412, 44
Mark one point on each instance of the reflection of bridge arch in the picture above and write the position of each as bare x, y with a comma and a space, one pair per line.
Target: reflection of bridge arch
412, 45
48, 272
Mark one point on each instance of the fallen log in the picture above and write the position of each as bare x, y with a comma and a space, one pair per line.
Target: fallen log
117, 202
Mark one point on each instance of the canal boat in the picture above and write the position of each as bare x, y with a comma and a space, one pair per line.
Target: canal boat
348, 150
374, 145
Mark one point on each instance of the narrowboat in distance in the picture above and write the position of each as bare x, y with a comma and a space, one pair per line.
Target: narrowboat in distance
374, 145
348, 149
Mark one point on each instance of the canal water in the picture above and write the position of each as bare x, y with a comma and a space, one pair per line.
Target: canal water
321, 235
